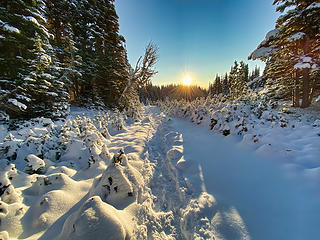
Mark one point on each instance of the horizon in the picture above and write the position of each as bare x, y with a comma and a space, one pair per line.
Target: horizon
186, 34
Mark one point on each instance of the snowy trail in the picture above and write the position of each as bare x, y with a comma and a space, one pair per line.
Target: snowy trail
270, 205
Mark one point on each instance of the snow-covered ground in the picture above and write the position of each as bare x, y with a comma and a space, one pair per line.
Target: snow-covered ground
159, 177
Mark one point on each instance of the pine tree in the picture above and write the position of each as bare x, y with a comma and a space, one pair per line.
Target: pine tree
292, 49
242, 79
233, 80
27, 87
225, 85
68, 62
112, 65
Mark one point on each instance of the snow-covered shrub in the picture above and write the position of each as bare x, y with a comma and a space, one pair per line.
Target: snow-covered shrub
118, 120
119, 183
9, 147
34, 165
102, 121
228, 116
8, 194
133, 109
83, 143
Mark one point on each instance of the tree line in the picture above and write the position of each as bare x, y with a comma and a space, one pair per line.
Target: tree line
155, 93
235, 83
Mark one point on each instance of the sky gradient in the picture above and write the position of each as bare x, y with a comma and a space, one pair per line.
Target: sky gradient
201, 38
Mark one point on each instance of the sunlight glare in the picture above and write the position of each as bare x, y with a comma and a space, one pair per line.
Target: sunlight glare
187, 80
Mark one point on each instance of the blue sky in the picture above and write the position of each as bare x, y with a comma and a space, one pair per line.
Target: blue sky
201, 38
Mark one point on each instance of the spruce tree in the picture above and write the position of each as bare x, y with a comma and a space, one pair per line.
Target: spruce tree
292, 49
233, 80
242, 79
27, 87
68, 62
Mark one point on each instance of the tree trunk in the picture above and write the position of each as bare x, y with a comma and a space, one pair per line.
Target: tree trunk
305, 88
306, 76
312, 90
296, 90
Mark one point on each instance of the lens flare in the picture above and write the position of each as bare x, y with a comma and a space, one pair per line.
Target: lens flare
187, 80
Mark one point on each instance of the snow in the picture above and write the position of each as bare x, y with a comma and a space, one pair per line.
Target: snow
47, 76
255, 187
28, 79
313, 6
305, 62
31, 19
10, 28
302, 65
22, 97
104, 175
94, 218
44, 58
306, 59
17, 103
52, 94
296, 36
35, 163
261, 52
271, 34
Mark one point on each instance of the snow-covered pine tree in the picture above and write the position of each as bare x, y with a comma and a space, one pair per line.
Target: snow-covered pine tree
27, 87
242, 80
225, 85
233, 80
255, 73
67, 61
93, 42
292, 49
111, 57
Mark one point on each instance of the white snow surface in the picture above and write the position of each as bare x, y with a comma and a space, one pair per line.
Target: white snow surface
17, 103
262, 52
314, 5
32, 19
302, 65
271, 34
174, 180
34, 162
296, 36
10, 28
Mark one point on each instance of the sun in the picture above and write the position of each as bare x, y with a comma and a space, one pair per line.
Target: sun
187, 80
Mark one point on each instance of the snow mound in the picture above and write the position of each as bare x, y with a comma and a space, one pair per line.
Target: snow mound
44, 184
95, 219
4, 235
118, 184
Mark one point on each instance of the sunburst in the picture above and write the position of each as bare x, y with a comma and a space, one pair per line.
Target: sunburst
187, 80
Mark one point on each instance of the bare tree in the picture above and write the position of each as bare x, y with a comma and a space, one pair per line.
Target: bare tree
144, 70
